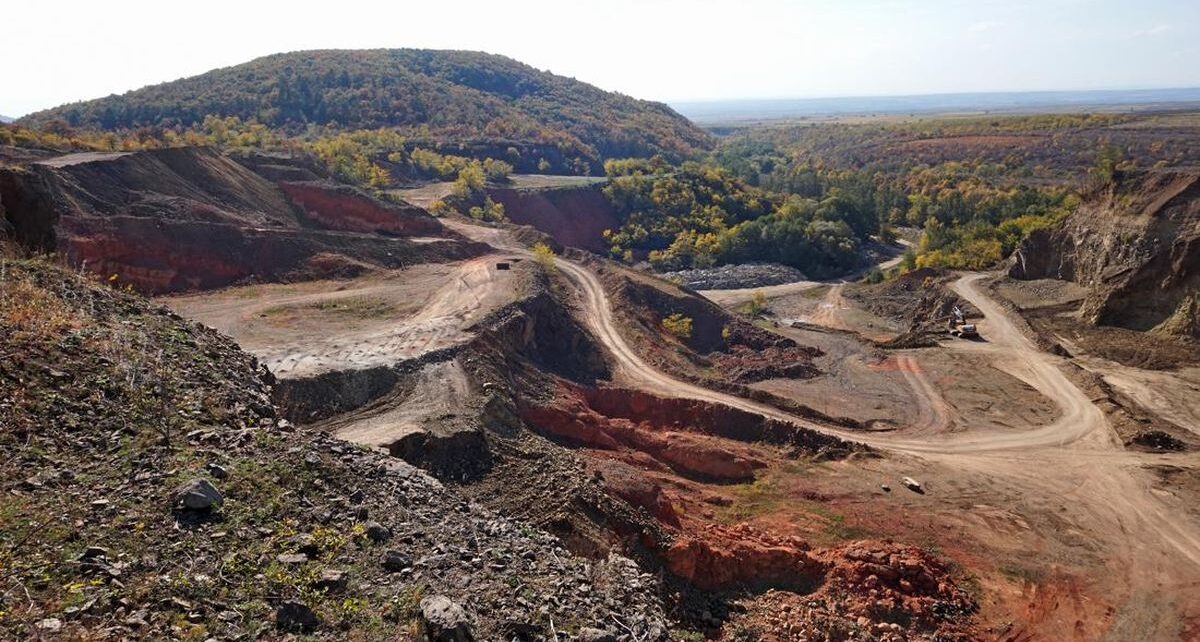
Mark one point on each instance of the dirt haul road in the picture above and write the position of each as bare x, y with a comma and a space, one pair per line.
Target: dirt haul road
1075, 467
1102, 497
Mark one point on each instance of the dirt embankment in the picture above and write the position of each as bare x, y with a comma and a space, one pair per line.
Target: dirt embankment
1135, 244
192, 218
572, 216
340, 207
721, 349
494, 415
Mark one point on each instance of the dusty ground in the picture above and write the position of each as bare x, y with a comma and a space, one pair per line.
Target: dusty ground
1063, 533
1052, 308
303, 329
1059, 526
425, 195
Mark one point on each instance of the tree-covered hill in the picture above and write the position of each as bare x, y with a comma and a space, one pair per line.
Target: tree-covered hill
450, 95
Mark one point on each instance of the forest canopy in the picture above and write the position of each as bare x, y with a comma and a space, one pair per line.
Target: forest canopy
438, 95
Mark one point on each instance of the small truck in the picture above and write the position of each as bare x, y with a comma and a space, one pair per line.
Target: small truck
913, 485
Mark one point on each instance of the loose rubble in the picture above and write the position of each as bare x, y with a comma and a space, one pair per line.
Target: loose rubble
734, 277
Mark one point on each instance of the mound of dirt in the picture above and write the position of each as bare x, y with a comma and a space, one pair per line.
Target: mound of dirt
187, 218
151, 492
919, 299
870, 591
1135, 244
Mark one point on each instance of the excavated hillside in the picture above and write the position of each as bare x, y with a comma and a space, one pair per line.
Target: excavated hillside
150, 491
188, 218
1135, 244
574, 216
530, 418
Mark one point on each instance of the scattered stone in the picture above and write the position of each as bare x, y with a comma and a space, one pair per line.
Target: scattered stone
199, 494
885, 488
444, 621
50, 625
332, 580
377, 532
395, 561
92, 553
305, 543
296, 617
727, 277
218, 471
913, 485
587, 634
137, 619
292, 558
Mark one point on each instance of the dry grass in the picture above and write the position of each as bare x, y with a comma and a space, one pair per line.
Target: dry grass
356, 307
30, 311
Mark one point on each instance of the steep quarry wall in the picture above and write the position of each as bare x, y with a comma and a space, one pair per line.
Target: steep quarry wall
572, 216
178, 219
1136, 245
340, 207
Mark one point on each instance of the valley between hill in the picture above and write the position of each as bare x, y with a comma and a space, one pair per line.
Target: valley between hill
414, 370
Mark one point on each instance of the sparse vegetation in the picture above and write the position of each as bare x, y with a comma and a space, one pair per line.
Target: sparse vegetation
678, 325
544, 256
758, 303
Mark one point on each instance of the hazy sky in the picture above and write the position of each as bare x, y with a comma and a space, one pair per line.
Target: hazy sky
62, 51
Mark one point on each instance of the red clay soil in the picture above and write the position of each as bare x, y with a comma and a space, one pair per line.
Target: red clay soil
744, 364
170, 256
689, 454
340, 208
674, 457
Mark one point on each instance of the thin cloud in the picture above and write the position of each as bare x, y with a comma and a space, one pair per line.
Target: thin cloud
986, 25
1156, 30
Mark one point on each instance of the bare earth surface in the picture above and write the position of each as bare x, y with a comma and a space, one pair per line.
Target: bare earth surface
1071, 473
1070, 535
425, 195
300, 330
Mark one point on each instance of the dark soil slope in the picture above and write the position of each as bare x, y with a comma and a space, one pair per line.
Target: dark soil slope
192, 218
150, 492
1136, 245
572, 216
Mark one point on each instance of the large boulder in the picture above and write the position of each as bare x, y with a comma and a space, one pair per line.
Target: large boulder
295, 616
198, 494
442, 620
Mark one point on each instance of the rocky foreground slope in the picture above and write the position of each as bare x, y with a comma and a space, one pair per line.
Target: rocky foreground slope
150, 492
1136, 245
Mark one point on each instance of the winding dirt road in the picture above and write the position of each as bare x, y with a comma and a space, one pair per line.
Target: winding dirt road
1074, 466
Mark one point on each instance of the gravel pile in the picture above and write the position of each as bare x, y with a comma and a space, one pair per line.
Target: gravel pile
733, 277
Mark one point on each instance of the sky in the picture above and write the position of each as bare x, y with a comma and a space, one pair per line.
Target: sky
668, 50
